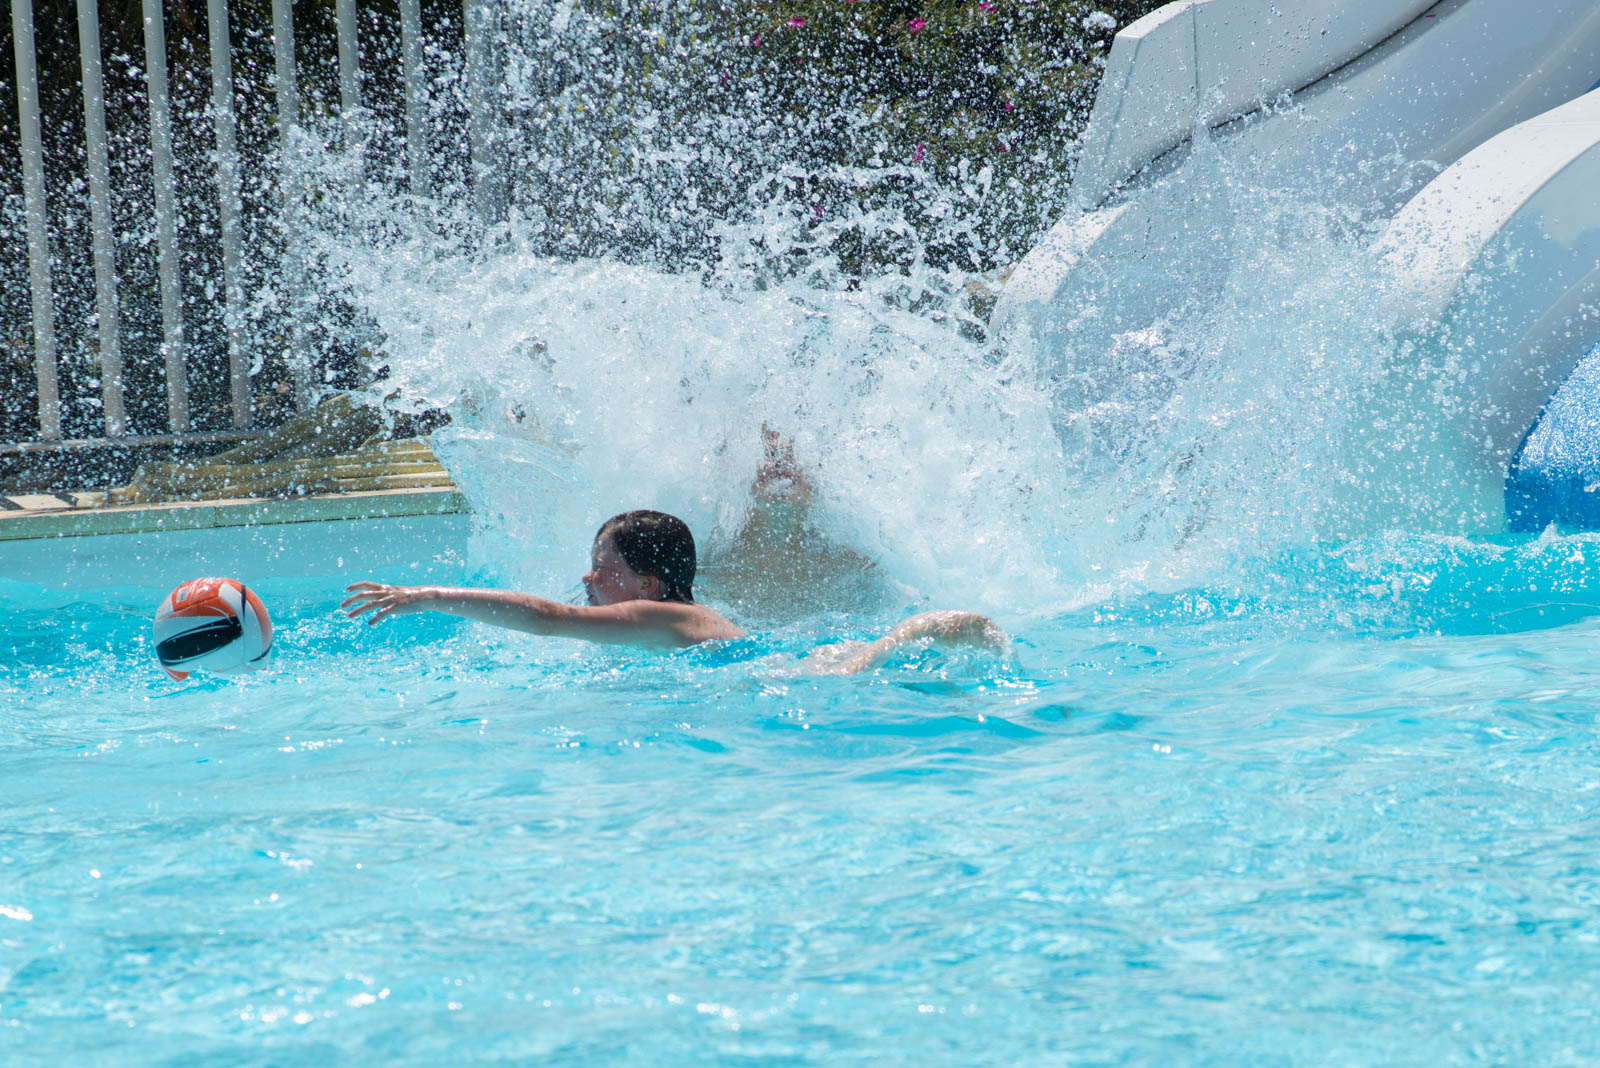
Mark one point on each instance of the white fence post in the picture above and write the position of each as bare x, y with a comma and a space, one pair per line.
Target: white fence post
286, 89
172, 346
228, 203
478, 48
288, 95
349, 59
105, 256
411, 57
43, 289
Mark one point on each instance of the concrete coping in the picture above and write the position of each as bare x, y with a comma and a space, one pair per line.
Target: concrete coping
83, 514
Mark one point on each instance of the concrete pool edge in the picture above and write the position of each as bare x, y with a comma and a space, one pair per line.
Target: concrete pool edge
67, 521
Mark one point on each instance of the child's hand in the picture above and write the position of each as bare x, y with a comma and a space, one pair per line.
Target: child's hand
383, 600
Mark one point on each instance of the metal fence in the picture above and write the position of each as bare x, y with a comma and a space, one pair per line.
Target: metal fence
174, 355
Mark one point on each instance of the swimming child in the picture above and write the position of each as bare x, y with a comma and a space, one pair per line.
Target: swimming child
640, 589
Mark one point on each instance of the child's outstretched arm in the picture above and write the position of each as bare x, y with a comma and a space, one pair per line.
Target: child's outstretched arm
631, 622
930, 628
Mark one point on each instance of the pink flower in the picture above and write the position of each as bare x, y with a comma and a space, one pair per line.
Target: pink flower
755, 42
917, 153
1008, 105
985, 5
1004, 147
915, 25
796, 22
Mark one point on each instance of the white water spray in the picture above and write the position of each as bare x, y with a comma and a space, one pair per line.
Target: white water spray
1155, 452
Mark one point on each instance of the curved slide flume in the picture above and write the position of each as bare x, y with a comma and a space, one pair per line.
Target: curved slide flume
1497, 264
1458, 131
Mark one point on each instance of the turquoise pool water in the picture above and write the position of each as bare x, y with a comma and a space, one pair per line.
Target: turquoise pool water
1344, 815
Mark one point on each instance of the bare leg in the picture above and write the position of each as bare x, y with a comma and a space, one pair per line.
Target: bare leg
779, 477
946, 629
780, 500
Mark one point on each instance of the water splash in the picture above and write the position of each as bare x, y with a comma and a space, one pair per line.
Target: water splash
580, 390
1233, 388
677, 268
1264, 413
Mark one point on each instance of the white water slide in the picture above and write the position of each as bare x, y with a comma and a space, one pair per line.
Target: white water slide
1465, 135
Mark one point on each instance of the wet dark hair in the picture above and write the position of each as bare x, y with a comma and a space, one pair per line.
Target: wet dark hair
655, 543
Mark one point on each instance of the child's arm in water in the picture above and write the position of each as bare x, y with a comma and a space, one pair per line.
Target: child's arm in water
663, 623
930, 628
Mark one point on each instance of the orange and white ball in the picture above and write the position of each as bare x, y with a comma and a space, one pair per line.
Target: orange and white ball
212, 623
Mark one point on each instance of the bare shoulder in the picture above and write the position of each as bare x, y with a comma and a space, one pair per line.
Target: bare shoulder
689, 624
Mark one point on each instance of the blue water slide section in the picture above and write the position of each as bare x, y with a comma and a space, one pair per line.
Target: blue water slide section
1555, 477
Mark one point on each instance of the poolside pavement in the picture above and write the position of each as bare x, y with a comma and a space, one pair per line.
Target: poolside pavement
65, 515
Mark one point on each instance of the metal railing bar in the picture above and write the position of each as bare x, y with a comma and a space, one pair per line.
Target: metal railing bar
40, 282
227, 174
349, 58
294, 270
287, 89
105, 260
172, 343
480, 133
411, 60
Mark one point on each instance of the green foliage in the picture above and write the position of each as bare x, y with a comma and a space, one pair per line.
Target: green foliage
856, 136
962, 78
972, 106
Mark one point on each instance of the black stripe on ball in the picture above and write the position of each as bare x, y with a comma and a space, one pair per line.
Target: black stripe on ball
198, 642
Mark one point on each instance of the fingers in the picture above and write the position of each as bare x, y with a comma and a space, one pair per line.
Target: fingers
359, 599
356, 611
360, 591
372, 597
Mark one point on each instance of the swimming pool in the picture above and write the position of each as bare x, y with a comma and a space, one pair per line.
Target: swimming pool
1347, 815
